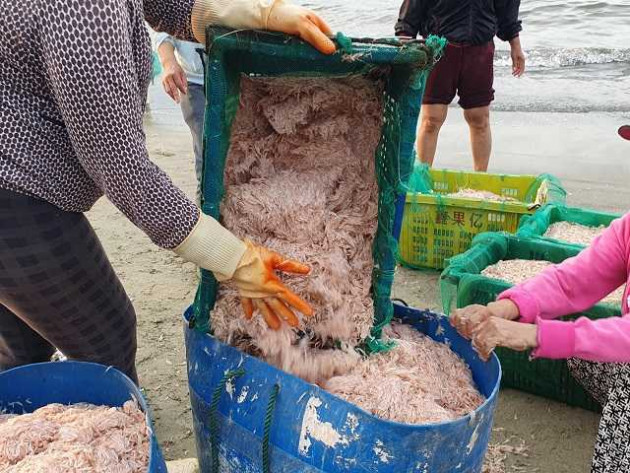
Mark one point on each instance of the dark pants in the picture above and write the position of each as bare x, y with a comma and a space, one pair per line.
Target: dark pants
59, 290
465, 70
193, 105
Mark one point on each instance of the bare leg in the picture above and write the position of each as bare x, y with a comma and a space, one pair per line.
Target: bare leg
480, 136
431, 120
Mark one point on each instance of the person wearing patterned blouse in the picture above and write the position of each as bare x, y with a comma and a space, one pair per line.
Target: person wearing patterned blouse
73, 86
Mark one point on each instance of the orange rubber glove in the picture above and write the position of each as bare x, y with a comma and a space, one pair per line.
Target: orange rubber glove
274, 15
261, 289
299, 21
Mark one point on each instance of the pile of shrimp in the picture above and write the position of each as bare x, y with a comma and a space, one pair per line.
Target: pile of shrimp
300, 179
76, 438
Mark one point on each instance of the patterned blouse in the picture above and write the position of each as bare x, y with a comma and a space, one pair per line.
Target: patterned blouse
74, 77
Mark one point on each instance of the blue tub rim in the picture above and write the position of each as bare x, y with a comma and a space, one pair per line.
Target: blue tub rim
398, 307
134, 390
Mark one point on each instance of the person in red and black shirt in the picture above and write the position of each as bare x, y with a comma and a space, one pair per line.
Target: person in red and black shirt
466, 67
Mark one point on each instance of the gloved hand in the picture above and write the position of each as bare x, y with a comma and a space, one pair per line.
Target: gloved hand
251, 268
274, 15
299, 21
261, 289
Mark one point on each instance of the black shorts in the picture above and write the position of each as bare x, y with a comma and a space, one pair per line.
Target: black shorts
466, 70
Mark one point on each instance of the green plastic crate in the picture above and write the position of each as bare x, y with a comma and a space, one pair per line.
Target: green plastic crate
436, 227
400, 68
535, 226
462, 283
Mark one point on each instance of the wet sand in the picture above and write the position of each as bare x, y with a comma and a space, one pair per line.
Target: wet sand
583, 150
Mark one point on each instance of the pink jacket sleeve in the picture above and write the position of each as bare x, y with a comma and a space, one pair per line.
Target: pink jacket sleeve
605, 340
574, 286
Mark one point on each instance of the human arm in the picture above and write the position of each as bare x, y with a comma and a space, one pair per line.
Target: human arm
603, 341
188, 19
518, 57
499, 332
410, 18
508, 29
577, 283
508, 24
174, 79
570, 287
93, 81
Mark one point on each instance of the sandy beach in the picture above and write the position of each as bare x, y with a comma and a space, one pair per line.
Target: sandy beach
581, 149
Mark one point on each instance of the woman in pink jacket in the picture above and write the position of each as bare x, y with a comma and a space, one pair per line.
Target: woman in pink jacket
598, 352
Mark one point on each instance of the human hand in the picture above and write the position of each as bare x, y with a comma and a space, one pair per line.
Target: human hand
497, 332
251, 268
302, 22
260, 288
467, 319
174, 79
274, 15
518, 57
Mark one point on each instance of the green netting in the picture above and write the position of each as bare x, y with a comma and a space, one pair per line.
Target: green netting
402, 67
437, 225
536, 225
156, 67
462, 283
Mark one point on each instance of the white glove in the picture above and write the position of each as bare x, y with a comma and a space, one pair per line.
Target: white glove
274, 15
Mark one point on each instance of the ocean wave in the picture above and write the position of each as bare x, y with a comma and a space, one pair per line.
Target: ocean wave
560, 107
584, 91
568, 57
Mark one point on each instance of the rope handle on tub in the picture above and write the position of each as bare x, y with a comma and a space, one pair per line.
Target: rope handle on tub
271, 405
214, 424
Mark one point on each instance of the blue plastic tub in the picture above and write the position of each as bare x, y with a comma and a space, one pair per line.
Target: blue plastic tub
310, 430
27, 388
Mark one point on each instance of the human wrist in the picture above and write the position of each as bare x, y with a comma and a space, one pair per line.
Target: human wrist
170, 61
555, 339
211, 246
531, 335
166, 53
515, 43
238, 14
505, 309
